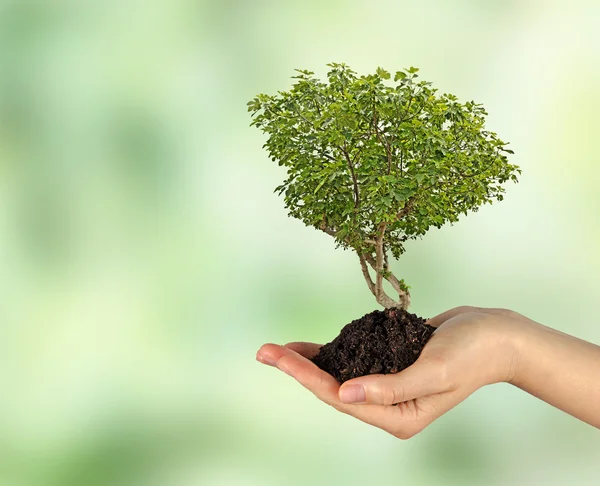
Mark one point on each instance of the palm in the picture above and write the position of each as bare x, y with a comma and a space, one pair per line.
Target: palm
397, 417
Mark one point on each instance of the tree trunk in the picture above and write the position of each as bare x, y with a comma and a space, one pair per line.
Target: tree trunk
382, 298
403, 295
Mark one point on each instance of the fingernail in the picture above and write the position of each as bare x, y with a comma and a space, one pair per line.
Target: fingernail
353, 394
264, 360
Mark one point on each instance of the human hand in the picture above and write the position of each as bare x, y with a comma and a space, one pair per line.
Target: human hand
471, 347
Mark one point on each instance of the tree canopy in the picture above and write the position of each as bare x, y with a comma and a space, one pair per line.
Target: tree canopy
375, 162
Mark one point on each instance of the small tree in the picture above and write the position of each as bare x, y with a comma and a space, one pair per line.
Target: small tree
374, 164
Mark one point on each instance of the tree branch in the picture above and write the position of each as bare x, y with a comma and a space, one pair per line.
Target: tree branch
404, 295
365, 271
329, 231
407, 207
388, 151
402, 162
353, 174
386, 263
366, 136
379, 259
377, 288
327, 156
383, 140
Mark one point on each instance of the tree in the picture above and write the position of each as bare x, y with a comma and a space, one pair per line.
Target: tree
374, 163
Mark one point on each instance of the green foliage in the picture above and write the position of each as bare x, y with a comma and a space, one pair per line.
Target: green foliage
403, 286
366, 156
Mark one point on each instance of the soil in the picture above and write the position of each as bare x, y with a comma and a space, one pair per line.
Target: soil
379, 342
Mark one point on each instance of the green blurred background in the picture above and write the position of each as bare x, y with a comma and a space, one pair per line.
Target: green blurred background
144, 257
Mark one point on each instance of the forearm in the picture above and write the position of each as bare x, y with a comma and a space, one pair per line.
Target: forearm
560, 369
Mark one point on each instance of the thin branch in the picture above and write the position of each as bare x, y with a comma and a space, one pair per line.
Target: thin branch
365, 138
382, 139
386, 145
379, 258
386, 263
327, 156
402, 162
365, 271
329, 231
407, 207
353, 174
404, 295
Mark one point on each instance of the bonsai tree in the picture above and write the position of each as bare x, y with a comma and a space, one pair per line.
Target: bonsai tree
374, 163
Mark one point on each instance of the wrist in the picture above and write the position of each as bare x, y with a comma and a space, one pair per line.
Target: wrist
508, 348
519, 343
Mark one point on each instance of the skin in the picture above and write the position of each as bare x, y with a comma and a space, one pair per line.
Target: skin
471, 347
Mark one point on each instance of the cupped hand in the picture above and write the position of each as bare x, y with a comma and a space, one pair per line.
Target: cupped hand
471, 347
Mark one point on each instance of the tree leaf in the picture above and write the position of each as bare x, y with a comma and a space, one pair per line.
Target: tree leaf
382, 73
399, 75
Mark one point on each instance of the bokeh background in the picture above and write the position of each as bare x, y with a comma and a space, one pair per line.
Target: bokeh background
144, 257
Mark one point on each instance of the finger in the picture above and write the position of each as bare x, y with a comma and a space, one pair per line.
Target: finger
308, 350
271, 353
418, 414
326, 389
324, 386
268, 354
309, 375
401, 421
505, 313
449, 314
397, 421
418, 380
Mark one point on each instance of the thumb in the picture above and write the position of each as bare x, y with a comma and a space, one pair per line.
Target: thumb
418, 380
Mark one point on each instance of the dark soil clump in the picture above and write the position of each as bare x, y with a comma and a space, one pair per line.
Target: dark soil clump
380, 342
